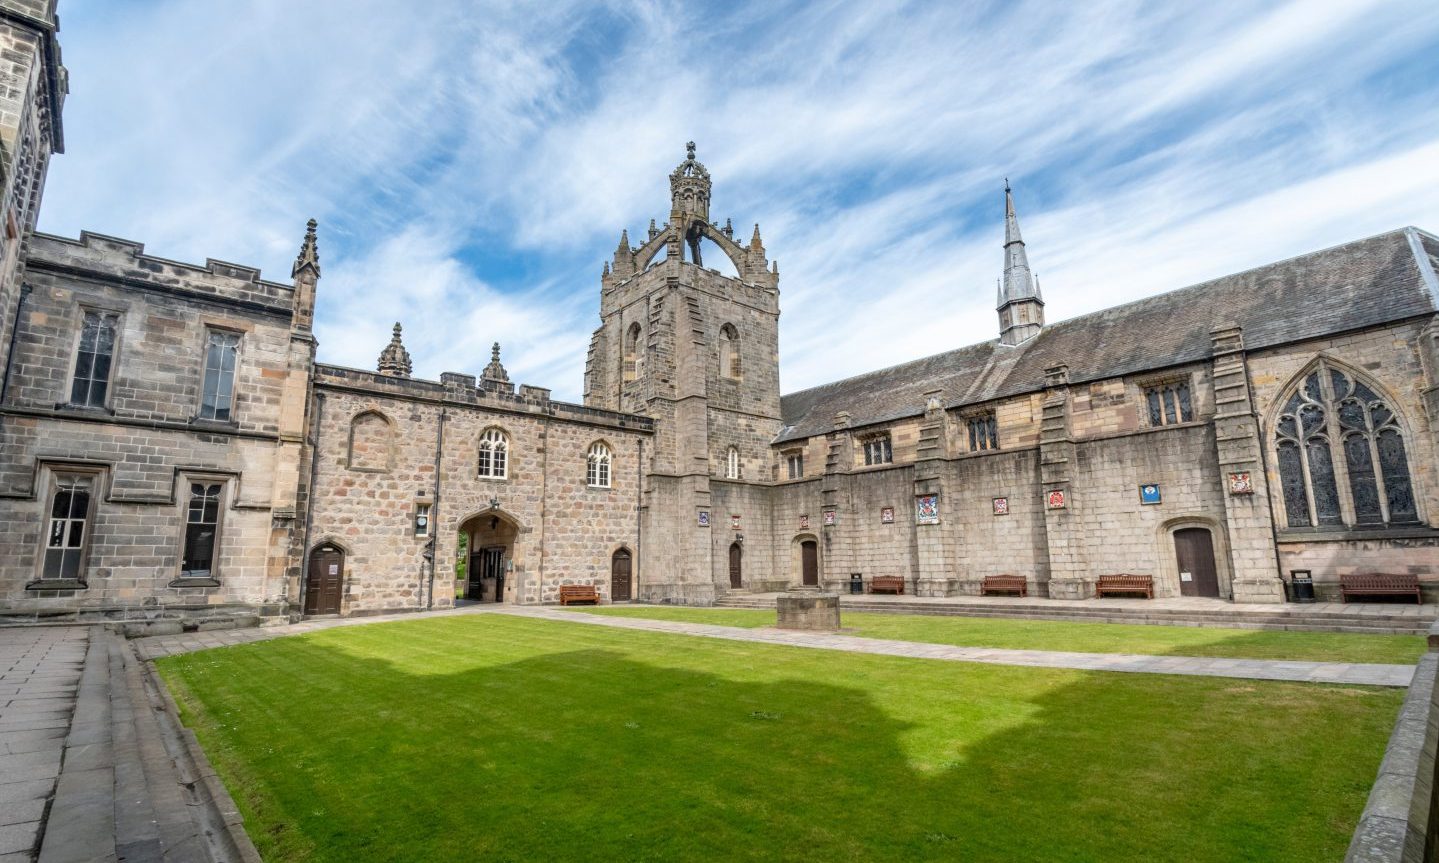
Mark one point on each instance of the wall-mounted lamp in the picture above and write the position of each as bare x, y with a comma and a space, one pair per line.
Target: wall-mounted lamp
739, 538
494, 503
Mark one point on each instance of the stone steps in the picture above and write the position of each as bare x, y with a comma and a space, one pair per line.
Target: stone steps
1317, 621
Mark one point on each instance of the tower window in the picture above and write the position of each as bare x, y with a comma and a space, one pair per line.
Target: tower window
794, 463
632, 353
494, 455
877, 450
93, 359
983, 432
731, 467
597, 470
729, 352
1169, 403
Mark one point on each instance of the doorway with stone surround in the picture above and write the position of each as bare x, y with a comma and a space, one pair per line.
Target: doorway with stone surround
490, 543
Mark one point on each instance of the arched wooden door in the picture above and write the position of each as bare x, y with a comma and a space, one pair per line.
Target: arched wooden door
620, 577
809, 562
1194, 552
326, 580
736, 565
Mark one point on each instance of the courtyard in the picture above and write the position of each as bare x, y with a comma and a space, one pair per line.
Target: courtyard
504, 737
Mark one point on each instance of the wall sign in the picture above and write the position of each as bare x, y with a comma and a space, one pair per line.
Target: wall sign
1001, 506
1149, 493
1054, 498
734, 522
829, 516
704, 518
804, 522
1239, 483
926, 509
886, 515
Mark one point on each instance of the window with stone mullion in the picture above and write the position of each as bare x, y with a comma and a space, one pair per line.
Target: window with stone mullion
92, 362
878, 450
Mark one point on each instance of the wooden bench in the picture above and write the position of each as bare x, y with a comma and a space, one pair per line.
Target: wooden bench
1107, 584
886, 584
1004, 584
572, 593
1378, 584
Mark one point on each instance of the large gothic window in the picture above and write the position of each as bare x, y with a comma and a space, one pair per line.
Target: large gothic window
494, 461
1341, 455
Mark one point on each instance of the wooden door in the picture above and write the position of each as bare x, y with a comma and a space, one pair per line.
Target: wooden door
326, 580
620, 576
809, 562
1194, 551
736, 563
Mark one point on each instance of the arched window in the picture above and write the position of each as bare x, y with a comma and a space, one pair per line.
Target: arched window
494, 462
371, 442
597, 471
729, 351
633, 365
1341, 455
731, 464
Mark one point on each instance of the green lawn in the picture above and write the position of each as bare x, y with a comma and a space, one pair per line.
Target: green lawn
489, 737
1061, 635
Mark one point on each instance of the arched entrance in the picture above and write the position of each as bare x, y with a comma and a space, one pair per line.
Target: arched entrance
1194, 554
806, 559
490, 542
325, 582
736, 565
621, 579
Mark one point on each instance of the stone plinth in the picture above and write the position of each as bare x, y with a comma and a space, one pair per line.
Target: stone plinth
811, 611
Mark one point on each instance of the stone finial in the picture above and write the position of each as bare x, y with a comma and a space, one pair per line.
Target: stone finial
728, 229
495, 371
624, 240
754, 241
606, 269
309, 257
394, 359
690, 188
653, 230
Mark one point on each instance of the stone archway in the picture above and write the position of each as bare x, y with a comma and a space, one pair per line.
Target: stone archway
805, 563
489, 560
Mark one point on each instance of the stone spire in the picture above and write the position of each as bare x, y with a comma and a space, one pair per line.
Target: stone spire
394, 359
306, 274
1021, 308
495, 371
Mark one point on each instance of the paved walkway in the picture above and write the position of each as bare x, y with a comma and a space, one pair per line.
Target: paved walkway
39, 675
1251, 669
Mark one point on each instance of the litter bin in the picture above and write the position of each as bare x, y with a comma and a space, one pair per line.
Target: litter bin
1301, 585
856, 582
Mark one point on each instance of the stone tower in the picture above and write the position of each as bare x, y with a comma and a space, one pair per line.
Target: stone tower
1021, 308
697, 351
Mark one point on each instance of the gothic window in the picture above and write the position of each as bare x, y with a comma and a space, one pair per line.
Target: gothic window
597, 471
729, 352
794, 463
371, 442
67, 535
731, 464
1169, 403
1341, 455
202, 529
222, 351
494, 454
983, 432
632, 353
877, 450
93, 359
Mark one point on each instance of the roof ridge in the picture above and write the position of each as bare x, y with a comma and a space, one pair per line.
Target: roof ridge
1421, 259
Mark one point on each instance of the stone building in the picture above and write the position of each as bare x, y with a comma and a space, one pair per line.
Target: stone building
170, 446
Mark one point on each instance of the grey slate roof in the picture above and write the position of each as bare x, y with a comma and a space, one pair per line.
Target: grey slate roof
1348, 287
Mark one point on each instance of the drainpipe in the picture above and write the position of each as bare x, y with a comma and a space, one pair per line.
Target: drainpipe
310, 497
435, 513
10, 350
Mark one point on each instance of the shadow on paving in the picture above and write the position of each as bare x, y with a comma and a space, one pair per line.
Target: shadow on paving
720, 751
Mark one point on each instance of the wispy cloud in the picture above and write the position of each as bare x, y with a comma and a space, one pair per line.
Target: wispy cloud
472, 164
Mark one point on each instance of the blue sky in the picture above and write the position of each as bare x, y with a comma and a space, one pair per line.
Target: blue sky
472, 164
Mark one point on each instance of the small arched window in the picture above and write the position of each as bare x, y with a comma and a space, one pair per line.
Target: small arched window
729, 352
597, 470
731, 464
1341, 455
633, 364
494, 461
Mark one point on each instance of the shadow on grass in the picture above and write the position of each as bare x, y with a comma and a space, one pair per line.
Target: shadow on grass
504, 740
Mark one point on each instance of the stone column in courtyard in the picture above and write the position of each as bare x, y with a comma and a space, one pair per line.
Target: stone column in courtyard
935, 542
1069, 575
1248, 520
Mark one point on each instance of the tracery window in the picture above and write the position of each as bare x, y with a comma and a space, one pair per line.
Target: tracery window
597, 470
1169, 403
218, 392
731, 467
878, 450
983, 432
494, 460
1341, 455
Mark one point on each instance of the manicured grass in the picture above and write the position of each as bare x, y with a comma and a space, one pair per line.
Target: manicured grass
1062, 635
489, 737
